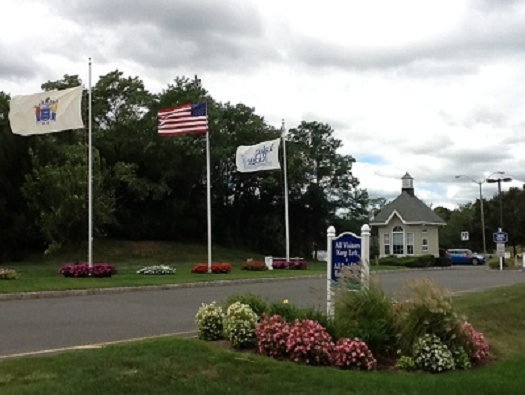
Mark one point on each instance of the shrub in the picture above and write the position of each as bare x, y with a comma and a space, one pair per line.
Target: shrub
202, 268
287, 311
353, 354
494, 263
279, 264
405, 363
210, 322
240, 323
257, 303
79, 270
308, 342
9, 274
297, 264
221, 268
254, 266
272, 335
321, 317
413, 261
478, 347
157, 269
461, 357
432, 355
367, 315
293, 263
429, 311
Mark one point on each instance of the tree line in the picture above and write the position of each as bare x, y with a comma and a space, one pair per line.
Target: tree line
468, 218
147, 187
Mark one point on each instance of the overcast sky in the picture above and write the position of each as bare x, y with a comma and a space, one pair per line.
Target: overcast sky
433, 88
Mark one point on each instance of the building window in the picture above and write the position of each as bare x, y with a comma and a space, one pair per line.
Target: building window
398, 240
424, 246
410, 243
386, 243
424, 241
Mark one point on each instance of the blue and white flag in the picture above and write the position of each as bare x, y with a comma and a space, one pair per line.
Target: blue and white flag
46, 112
262, 156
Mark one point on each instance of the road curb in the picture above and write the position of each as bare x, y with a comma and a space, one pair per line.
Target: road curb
163, 287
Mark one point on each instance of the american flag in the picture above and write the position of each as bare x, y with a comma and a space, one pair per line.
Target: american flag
184, 119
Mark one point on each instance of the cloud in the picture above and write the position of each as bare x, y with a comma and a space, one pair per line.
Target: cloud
433, 88
203, 35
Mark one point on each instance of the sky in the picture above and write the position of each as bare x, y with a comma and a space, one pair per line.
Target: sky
432, 88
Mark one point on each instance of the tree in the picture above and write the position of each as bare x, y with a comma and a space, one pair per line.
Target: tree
323, 180
55, 188
16, 232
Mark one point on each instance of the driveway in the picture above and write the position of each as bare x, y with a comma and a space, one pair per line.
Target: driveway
44, 325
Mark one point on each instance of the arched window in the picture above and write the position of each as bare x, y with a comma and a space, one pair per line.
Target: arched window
398, 240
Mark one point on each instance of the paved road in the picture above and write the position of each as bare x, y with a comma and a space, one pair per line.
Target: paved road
36, 325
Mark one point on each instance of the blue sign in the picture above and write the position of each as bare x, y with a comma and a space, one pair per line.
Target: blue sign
500, 237
346, 251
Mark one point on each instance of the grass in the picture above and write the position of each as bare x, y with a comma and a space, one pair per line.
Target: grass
186, 366
40, 273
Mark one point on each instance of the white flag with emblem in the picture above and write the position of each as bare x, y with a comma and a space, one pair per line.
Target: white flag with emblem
262, 156
46, 112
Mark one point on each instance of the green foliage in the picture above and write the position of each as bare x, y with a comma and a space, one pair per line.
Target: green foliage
210, 322
428, 310
8, 274
368, 315
240, 323
323, 182
287, 311
494, 263
405, 362
410, 261
432, 355
258, 266
56, 191
258, 304
461, 358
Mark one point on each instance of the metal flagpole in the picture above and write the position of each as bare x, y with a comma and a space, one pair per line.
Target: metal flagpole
90, 178
285, 166
208, 182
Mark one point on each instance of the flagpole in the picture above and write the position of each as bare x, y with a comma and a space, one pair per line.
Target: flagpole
285, 166
90, 177
208, 195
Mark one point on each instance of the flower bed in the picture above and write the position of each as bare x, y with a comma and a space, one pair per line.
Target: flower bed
79, 270
254, 266
292, 264
8, 274
425, 331
157, 270
217, 268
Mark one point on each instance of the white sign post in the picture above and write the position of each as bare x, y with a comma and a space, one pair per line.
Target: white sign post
345, 250
464, 236
500, 238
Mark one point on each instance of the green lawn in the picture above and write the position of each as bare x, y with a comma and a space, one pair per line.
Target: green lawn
185, 366
40, 273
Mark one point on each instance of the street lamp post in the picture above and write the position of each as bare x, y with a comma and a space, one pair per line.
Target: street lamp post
499, 180
480, 183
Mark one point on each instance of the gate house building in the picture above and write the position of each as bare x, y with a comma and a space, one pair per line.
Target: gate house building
407, 226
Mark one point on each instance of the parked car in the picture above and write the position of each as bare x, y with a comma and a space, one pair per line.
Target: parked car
463, 256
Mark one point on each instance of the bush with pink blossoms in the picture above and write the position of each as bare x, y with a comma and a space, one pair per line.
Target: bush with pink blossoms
353, 354
309, 343
272, 335
479, 346
83, 270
